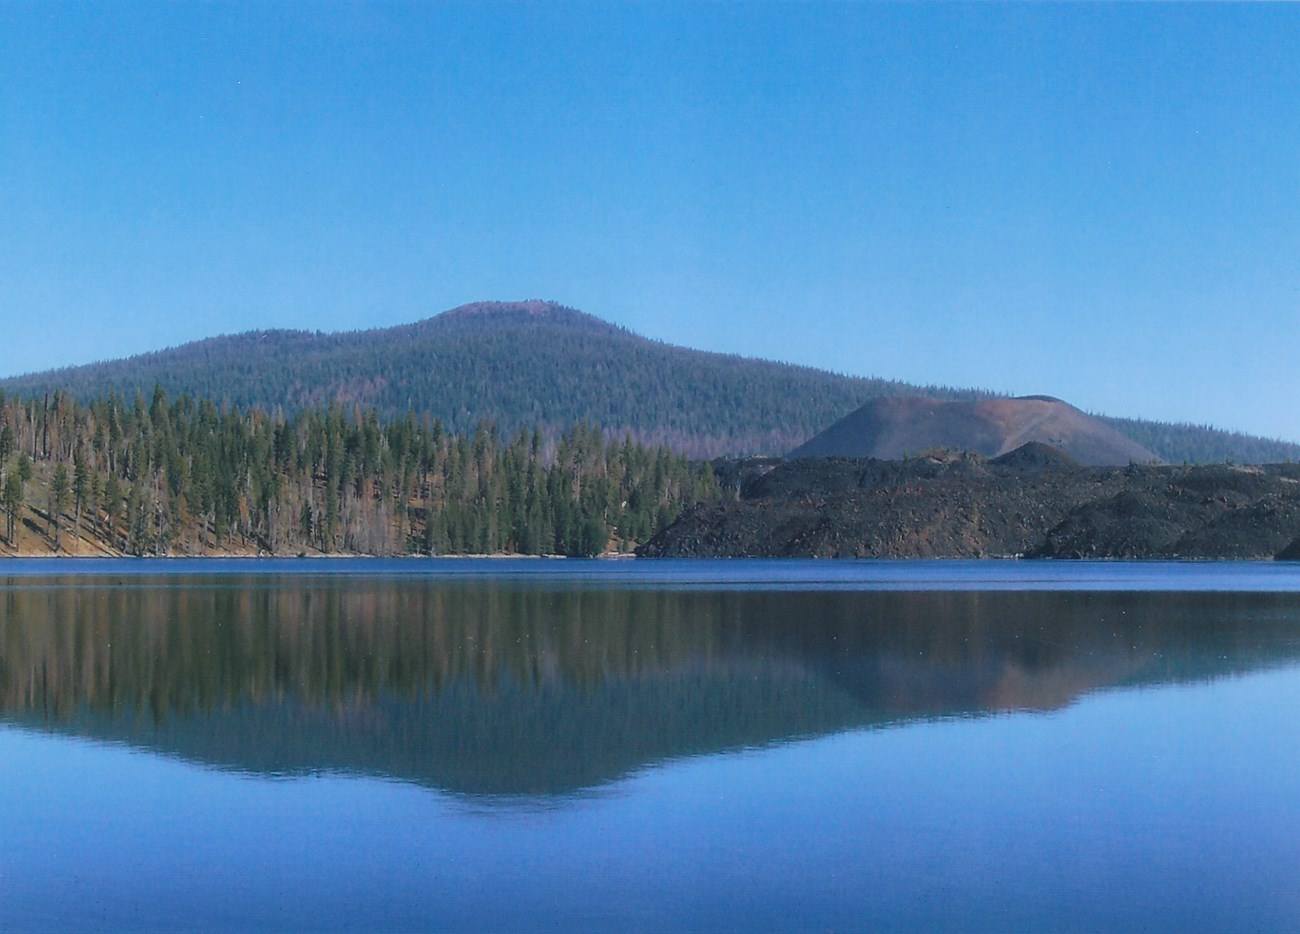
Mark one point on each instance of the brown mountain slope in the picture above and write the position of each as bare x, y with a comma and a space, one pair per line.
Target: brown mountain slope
892, 428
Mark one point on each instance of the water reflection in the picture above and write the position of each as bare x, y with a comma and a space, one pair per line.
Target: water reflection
486, 688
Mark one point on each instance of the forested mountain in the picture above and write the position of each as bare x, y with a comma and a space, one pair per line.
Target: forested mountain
518, 364
187, 477
540, 364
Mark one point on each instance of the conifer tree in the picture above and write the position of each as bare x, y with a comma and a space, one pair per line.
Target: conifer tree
13, 502
80, 487
58, 501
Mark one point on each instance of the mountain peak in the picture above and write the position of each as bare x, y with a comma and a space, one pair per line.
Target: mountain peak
534, 307
890, 428
532, 313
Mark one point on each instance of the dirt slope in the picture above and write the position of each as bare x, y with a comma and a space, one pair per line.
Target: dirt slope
898, 427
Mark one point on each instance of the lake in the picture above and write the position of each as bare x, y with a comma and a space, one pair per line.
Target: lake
649, 745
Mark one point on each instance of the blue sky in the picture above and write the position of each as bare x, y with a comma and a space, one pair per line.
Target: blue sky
1097, 202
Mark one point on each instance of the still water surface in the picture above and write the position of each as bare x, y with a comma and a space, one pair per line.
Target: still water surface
649, 745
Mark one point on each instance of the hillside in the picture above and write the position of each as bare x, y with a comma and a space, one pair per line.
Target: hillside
1032, 502
185, 478
891, 428
520, 364
539, 363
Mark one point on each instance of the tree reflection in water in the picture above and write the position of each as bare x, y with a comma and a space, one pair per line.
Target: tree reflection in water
492, 688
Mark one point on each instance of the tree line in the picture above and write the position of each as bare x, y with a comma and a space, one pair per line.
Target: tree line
1183, 443
186, 476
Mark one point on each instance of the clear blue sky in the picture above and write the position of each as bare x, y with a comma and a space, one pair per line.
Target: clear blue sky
1097, 202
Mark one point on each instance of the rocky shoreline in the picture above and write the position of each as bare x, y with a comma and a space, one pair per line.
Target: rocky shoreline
1032, 502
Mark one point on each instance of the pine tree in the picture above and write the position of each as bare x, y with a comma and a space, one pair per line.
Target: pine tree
13, 501
58, 501
80, 487
112, 507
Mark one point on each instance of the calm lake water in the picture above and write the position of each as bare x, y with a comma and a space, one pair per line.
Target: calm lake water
736, 745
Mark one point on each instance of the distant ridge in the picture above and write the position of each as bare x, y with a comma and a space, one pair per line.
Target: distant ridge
894, 428
518, 364
542, 363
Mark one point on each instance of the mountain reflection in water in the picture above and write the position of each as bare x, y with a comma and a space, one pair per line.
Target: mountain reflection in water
491, 688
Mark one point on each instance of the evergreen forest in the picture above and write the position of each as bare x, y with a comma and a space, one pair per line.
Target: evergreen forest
187, 476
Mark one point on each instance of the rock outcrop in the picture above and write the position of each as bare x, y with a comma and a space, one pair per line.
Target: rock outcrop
1032, 502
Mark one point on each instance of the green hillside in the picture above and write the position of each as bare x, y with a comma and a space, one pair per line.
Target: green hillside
519, 364
187, 478
539, 363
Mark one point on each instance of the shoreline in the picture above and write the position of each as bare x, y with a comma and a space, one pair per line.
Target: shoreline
613, 557
325, 556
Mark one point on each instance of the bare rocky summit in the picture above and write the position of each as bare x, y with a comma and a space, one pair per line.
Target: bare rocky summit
893, 428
